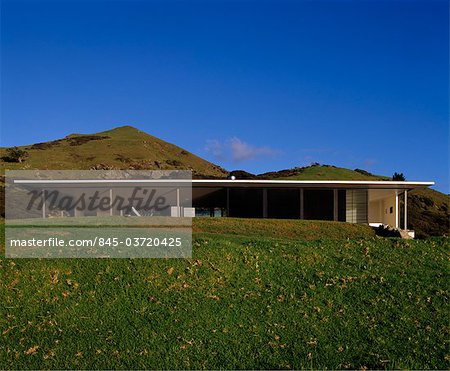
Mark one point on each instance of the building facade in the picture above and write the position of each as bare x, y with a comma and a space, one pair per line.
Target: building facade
362, 202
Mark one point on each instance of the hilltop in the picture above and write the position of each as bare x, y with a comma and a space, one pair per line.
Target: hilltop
124, 147
312, 172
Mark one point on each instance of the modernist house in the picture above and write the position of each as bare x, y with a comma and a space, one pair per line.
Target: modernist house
365, 202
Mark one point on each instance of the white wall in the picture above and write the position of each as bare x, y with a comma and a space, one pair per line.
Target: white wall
375, 211
389, 211
382, 207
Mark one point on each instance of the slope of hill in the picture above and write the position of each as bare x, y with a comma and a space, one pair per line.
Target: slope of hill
321, 172
121, 148
429, 213
312, 172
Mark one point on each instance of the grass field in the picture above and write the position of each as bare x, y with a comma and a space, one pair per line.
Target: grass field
242, 301
282, 228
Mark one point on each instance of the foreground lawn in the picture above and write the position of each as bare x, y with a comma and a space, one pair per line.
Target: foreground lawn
283, 228
241, 302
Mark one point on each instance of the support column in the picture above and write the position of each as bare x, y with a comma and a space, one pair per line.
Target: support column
110, 202
44, 194
265, 206
406, 211
335, 205
178, 202
302, 212
396, 210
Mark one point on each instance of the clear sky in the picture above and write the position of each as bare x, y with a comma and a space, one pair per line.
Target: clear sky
254, 85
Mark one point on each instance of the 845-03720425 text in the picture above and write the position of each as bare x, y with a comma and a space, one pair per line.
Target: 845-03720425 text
98, 241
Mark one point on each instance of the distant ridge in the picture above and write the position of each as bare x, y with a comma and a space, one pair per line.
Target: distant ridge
313, 172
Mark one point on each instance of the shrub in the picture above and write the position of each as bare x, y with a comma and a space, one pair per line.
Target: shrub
15, 154
124, 159
398, 176
242, 174
45, 145
82, 139
174, 163
363, 172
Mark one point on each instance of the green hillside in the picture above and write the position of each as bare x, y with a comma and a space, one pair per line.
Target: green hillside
321, 172
247, 301
121, 148
429, 213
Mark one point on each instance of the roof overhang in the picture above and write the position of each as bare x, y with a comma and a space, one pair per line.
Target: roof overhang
343, 184
238, 183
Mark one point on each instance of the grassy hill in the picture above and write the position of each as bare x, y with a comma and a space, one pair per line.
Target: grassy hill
429, 213
244, 301
321, 172
121, 148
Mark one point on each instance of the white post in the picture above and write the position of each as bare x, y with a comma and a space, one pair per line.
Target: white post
110, 202
178, 203
43, 202
396, 209
265, 212
406, 210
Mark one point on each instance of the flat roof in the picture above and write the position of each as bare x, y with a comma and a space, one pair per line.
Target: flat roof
375, 184
314, 183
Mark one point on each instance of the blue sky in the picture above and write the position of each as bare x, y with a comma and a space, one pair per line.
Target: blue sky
254, 85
